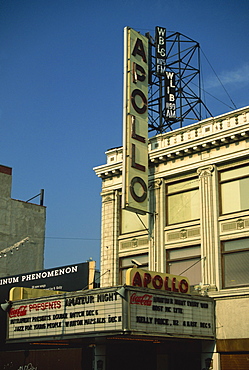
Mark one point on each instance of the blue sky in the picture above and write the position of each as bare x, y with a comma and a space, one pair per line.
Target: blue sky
61, 75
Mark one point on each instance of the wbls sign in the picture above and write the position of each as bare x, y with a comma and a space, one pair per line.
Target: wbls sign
160, 36
170, 106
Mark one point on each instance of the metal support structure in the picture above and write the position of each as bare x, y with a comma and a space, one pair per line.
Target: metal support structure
183, 60
41, 194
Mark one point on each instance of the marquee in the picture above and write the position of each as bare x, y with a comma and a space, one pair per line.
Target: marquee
117, 310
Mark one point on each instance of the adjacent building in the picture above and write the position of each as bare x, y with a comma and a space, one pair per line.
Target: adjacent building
197, 225
22, 231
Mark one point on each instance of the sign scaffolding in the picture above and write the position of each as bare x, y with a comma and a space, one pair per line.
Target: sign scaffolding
175, 85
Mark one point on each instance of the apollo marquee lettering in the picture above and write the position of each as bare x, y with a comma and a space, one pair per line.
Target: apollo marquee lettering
155, 280
159, 283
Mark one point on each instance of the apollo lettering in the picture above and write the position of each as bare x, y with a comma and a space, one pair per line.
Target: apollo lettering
156, 281
140, 104
135, 143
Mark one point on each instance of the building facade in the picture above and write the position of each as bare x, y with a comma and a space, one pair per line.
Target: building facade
197, 225
22, 231
107, 328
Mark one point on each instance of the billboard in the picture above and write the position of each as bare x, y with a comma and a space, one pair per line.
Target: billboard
135, 123
65, 278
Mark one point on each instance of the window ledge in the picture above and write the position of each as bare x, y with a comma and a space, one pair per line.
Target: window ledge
231, 293
182, 225
233, 215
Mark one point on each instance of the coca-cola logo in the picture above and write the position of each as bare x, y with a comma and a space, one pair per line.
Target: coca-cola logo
16, 312
143, 300
27, 367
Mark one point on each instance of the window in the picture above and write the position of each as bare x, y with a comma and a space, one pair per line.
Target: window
131, 222
235, 260
234, 185
183, 202
125, 263
186, 262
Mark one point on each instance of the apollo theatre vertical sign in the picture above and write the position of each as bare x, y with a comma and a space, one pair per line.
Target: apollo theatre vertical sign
135, 123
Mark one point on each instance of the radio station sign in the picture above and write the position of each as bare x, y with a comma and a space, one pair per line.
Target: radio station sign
169, 76
135, 123
178, 315
64, 315
160, 36
170, 96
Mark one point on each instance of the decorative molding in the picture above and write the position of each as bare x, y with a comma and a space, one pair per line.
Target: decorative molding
196, 138
134, 243
155, 184
107, 198
183, 234
205, 171
239, 224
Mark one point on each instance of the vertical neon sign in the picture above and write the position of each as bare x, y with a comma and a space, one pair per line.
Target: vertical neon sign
135, 123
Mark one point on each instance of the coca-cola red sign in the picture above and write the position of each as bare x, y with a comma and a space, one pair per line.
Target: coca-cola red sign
22, 310
16, 312
143, 300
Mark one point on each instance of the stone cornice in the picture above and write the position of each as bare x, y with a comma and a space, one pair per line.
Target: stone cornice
198, 145
201, 136
189, 140
108, 170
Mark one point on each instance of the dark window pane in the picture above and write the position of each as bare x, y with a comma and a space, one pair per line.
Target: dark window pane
236, 269
237, 244
193, 267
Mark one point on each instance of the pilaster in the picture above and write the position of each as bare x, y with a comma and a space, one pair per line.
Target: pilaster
209, 235
156, 229
109, 238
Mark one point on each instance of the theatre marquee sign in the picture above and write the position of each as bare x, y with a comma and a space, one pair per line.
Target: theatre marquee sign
127, 310
179, 315
61, 315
